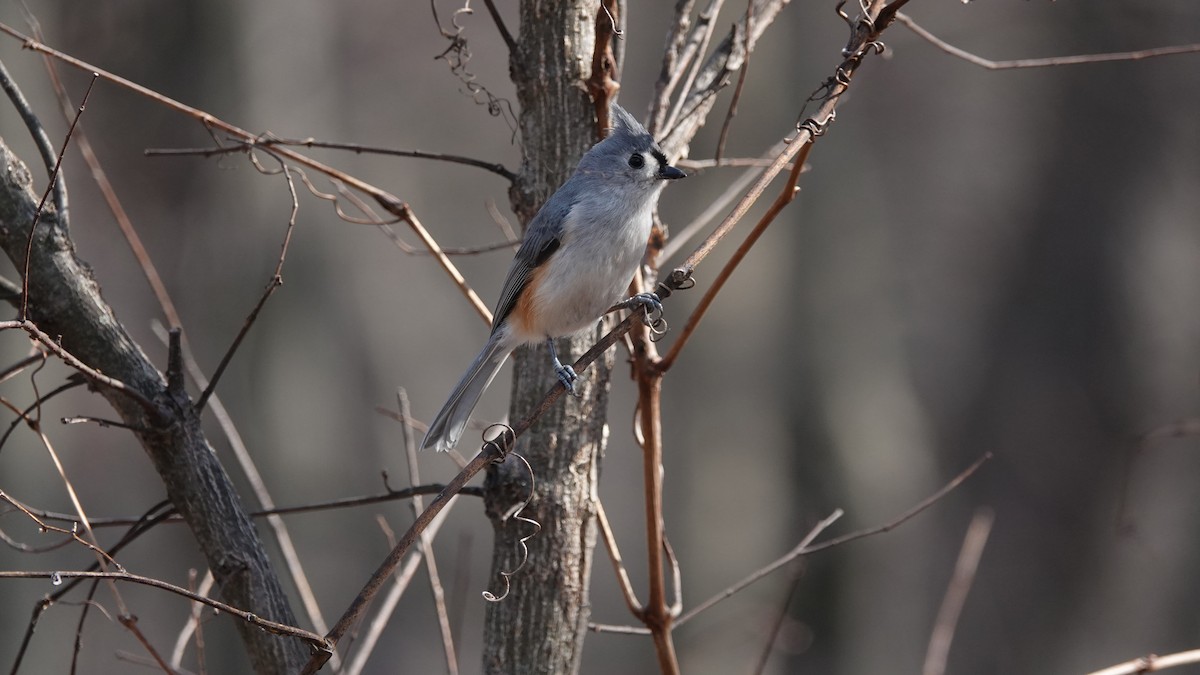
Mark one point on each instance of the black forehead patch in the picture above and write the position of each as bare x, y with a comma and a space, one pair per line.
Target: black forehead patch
662, 159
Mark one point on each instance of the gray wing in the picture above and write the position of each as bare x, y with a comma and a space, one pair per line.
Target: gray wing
542, 238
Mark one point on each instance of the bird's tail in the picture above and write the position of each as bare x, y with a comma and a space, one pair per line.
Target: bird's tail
448, 426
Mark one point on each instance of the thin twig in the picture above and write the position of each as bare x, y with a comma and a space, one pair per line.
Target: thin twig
1152, 663
40, 139
72, 533
389, 202
130, 622
507, 36
16, 368
664, 86
698, 165
245, 459
806, 547
275, 282
192, 627
706, 24
124, 223
39, 608
614, 555
87, 371
148, 521
270, 626
387, 607
956, 592
780, 617
1183, 428
785, 197
1048, 62
135, 659
88, 603
614, 628
344, 502
37, 215
357, 148
737, 90
23, 415
362, 601
435, 581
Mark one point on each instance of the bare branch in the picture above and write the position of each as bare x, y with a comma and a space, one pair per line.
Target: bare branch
344, 502
737, 90
806, 547
667, 76
1045, 62
366, 645
694, 52
109, 193
781, 202
359, 605
73, 534
956, 593
316, 641
507, 36
1152, 663
435, 581
275, 282
283, 537
614, 554
726, 59
269, 140
37, 215
40, 139
389, 202
87, 371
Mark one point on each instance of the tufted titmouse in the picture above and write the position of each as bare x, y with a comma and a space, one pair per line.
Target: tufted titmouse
578, 256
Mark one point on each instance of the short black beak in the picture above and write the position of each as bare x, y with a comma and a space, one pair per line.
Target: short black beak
671, 173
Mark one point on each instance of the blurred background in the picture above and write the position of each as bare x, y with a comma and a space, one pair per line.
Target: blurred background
978, 261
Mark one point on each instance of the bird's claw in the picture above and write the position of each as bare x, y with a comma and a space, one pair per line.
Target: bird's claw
652, 315
567, 376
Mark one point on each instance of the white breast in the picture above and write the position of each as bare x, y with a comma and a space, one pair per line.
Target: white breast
592, 268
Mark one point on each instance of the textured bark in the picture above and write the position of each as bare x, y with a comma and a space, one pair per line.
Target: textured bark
539, 627
64, 300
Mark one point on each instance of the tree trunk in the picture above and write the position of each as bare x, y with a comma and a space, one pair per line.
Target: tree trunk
539, 627
65, 302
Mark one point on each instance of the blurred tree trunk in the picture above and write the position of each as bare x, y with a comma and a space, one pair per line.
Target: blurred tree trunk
539, 627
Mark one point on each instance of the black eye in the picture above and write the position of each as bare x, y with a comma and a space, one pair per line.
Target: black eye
637, 161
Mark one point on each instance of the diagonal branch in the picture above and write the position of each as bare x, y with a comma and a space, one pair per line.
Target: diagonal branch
1044, 62
806, 547
389, 202
248, 617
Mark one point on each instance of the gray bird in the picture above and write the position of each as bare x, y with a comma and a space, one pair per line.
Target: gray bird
578, 257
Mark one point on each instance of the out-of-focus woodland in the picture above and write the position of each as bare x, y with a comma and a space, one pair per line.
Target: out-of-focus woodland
978, 261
